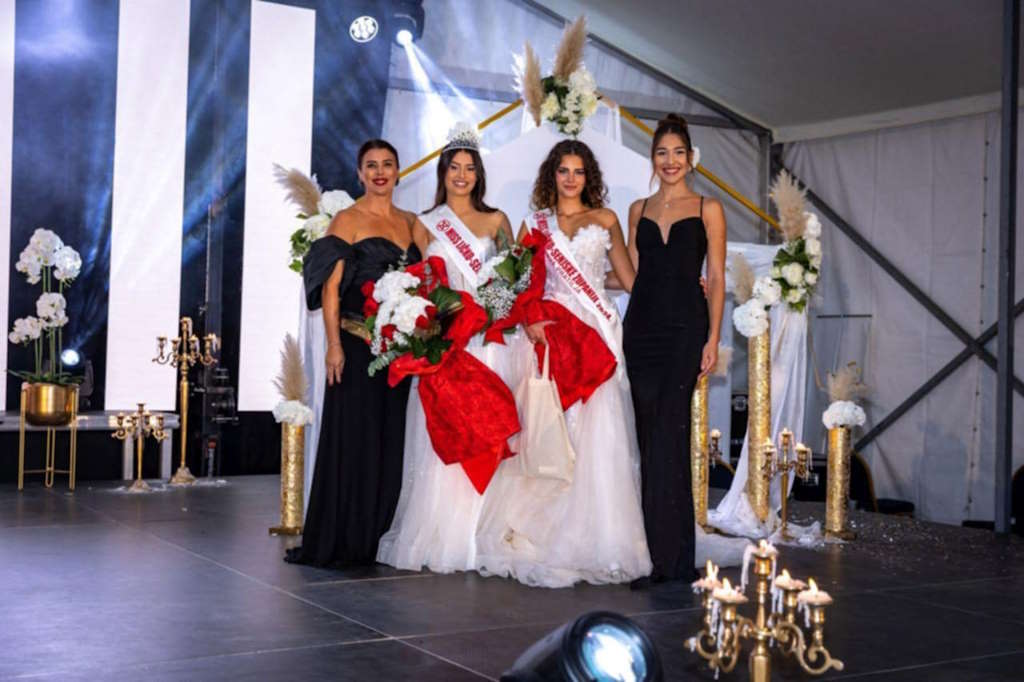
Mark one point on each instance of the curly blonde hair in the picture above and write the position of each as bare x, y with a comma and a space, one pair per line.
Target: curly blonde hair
545, 190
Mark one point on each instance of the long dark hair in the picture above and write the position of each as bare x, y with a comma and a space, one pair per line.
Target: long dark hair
377, 143
476, 195
545, 191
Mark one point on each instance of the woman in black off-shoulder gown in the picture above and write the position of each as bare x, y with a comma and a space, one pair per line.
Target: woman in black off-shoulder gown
670, 336
358, 472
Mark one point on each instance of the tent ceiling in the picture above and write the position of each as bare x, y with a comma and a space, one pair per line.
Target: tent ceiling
794, 65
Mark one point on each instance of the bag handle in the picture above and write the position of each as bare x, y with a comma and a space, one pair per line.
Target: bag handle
545, 373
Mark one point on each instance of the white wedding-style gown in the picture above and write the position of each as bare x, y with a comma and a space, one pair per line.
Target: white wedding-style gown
548, 533
438, 508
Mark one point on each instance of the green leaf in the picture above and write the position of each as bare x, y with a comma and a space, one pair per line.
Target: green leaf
507, 269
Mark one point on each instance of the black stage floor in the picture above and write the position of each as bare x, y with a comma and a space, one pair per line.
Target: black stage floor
187, 585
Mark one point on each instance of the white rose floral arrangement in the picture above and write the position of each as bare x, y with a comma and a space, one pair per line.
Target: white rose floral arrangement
47, 261
753, 297
845, 386
316, 209
797, 264
569, 95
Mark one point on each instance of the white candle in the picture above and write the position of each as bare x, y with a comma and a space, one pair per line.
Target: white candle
813, 596
787, 582
715, 433
727, 594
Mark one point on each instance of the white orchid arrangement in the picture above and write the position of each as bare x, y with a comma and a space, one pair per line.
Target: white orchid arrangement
843, 387
47, 261
797, 264
569, 95
316, 209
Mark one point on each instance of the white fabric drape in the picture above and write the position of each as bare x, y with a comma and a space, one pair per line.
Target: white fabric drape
313, 342
788, 386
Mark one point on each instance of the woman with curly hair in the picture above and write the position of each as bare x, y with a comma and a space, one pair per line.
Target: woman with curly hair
551, 532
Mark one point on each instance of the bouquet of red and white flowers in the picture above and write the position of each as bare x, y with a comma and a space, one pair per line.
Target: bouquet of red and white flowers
408, 312
511, 280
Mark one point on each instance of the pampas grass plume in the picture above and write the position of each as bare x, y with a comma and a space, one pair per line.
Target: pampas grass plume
291, 382
301, 189
528, 81
846, 384
742, 279
790, 200
721, 367
570, 51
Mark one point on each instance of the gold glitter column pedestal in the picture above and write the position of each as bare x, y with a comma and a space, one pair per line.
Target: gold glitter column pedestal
699, 451
292, 442
759, 422
837, 497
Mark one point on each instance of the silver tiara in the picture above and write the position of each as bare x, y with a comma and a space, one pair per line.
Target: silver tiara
463, 136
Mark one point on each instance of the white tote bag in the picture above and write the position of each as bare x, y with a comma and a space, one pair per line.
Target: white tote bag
544, 447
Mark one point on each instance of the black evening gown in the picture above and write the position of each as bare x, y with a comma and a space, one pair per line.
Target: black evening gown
664, 333
358, 472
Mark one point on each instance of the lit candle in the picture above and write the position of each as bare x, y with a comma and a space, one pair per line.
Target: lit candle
813, 596
716, 434
787, 582
710, 580
727, 594
766, 549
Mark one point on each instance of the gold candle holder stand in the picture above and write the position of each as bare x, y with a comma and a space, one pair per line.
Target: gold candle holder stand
184, 354
837, 494
139, 425
782, 462
699, 454
720, 639
759, 422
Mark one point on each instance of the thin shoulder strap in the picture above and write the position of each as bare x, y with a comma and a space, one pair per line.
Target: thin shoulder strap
701, 214
643, 208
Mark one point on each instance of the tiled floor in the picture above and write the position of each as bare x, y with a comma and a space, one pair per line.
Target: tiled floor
188, 585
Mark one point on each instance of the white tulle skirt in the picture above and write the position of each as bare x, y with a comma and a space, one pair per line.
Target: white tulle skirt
549, 533
439, 509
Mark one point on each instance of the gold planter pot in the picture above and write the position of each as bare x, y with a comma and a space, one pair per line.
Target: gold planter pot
50, 404
293, 441
759, 422
837, 495
699, 451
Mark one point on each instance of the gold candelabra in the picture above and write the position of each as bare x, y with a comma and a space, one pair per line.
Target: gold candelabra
782, 461
140, 425
184, 354
723, 630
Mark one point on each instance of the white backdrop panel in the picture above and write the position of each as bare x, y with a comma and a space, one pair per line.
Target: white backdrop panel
6, 141
147, 203
280, 131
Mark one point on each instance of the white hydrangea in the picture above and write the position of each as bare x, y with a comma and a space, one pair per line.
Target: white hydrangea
67, 264
812, 247
793, 273
334, 202
813, 226
843, 413
810, 278
794, 296
51, 308
30, 262
46, 242
316, 226
292, 412
582, 81
386, 312
549, 107
393, 284
767, 291
751, 319
26, 329
407, 312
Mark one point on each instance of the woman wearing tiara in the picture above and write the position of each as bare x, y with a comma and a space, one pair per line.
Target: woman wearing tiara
547, 532
671, 339
359, 456
435, 523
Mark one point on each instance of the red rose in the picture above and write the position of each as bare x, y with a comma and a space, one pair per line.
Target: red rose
388, 331
422, 322
370, 306
367, 288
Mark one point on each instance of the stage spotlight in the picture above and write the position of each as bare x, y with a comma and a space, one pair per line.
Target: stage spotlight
407, 22
70, 357
363, 29
599, 646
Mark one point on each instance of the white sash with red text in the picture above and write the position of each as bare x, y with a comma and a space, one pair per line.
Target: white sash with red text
560, 260
464, 248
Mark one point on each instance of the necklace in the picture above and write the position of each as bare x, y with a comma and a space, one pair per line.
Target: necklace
671, 199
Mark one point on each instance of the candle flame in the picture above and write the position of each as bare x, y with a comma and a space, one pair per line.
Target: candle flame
813, 586
712, 570
725, 585
785, 575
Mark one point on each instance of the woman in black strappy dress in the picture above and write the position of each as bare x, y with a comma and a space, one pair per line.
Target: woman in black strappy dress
670, 338
358, 471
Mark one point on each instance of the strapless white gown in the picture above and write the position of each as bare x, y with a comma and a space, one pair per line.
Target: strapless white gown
439, 509
547, 533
